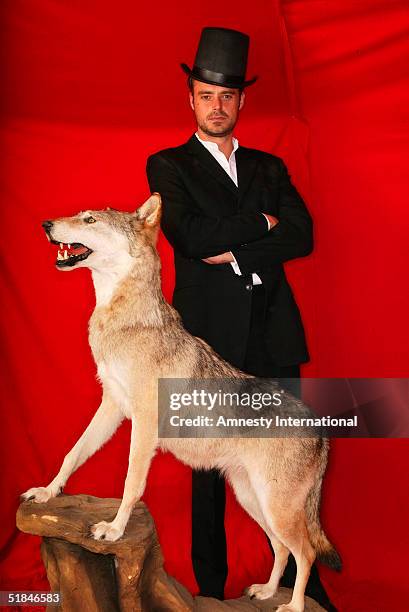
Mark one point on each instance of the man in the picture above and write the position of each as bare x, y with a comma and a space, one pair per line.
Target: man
233, 218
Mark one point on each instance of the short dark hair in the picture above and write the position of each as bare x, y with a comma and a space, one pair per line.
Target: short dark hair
190, 80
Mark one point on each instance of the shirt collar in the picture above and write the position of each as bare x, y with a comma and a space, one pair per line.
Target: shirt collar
213, 146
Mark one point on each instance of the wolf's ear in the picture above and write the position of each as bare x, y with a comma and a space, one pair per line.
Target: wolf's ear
149, 213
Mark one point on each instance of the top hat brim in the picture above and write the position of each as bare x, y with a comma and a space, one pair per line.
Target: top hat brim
217, 78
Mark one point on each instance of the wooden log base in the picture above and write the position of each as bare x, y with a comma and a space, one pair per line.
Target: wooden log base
122, 576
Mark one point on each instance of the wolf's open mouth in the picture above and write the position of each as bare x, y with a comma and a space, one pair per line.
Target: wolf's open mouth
70, 254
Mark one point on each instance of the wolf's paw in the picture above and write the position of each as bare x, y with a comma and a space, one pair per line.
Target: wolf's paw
260, 591
106, 531
38, 494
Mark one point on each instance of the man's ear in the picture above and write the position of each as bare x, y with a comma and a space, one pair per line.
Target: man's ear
242, 100
191, 100
149, 213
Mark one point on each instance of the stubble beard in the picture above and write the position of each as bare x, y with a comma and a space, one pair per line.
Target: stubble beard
219, 133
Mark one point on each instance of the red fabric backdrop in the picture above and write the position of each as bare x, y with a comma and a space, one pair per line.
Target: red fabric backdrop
91, 88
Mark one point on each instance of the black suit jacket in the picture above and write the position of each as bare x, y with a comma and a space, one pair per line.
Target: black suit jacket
205, 214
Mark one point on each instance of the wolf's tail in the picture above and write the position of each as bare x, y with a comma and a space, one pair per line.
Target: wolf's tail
326, 552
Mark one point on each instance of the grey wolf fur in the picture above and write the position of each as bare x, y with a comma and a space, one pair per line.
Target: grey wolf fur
136, 338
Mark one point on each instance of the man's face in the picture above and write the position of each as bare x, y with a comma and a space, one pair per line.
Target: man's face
216, 108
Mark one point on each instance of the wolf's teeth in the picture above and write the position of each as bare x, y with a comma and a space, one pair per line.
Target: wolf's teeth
59, 256
69, 246
65, 255
61, 245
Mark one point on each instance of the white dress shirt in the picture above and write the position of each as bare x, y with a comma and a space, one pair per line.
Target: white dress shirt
229, 166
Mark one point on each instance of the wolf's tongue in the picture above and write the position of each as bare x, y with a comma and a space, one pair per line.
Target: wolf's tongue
78, 250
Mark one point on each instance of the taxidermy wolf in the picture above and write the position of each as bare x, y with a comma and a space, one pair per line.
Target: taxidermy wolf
136, 338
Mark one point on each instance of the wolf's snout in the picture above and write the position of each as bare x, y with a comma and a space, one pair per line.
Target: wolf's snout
69, 254
47, 225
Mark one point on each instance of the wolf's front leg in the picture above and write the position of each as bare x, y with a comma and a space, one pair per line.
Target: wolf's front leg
103, 425
144, 440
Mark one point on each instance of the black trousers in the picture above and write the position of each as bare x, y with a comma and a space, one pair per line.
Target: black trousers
209, 551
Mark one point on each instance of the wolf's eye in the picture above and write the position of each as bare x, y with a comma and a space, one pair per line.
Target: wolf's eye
89, 220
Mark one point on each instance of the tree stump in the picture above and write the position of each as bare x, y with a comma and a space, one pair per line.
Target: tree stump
122, 576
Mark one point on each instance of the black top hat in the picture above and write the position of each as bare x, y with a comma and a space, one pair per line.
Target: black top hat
221, 58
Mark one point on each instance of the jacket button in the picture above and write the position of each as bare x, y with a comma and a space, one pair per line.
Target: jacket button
249, 287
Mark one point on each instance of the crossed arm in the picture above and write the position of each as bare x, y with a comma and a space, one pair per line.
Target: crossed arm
245, 235
228, 257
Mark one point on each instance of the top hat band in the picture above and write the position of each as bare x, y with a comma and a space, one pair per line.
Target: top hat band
201, 74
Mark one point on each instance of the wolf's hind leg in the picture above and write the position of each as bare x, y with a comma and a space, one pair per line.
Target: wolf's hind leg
298, 542
247, 497
102, 426
281, 552
286, 519
245, 494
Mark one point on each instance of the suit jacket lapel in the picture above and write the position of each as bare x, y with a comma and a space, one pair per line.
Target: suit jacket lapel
246, 167
212, 166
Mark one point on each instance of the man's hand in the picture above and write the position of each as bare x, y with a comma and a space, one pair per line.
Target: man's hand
220, 259
272, 220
